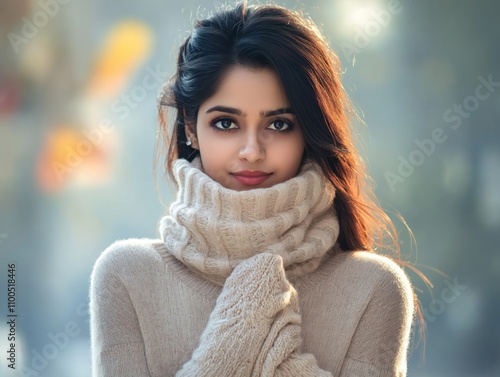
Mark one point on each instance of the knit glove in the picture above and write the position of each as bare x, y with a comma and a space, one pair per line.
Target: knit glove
252, 296
254, 329
280, 354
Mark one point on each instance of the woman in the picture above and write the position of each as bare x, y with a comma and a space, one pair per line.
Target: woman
265, 266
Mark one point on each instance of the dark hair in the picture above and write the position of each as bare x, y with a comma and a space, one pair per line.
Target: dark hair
270, 36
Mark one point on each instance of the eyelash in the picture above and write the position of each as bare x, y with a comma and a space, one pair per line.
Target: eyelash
216, 120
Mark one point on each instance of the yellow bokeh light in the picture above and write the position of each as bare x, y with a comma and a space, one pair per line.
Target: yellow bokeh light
127, 45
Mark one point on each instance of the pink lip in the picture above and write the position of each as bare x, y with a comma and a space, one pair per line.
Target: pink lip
251, 178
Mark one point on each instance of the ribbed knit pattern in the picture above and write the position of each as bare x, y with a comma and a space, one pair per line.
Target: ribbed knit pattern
270, 252
251, 242
211, 228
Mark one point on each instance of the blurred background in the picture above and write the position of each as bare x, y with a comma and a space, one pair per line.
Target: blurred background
78, 88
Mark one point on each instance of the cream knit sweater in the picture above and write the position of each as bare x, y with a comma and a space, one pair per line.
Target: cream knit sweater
248, 283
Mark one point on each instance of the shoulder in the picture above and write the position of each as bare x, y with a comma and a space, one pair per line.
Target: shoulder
379, 266
372, 266
377, 274
126, 256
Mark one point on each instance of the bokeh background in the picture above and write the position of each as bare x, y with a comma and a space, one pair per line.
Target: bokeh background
78, 88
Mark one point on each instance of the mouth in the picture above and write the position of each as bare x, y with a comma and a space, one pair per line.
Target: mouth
251, 179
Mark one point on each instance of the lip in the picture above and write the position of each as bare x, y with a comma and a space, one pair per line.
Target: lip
251, 178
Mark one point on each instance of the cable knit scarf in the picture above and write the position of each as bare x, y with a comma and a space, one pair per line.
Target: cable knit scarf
211, 229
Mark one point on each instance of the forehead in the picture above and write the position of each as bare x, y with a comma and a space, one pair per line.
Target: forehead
249, 89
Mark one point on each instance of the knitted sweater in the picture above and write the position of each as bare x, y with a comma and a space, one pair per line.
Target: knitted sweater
248, 283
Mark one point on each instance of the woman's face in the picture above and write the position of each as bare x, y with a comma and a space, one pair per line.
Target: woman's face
247, 125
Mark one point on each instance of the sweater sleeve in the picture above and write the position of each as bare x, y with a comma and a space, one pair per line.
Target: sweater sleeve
380, 343
117, 345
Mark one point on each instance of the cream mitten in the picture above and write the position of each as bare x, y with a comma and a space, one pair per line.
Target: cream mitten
251, 297
254, 329
280, 353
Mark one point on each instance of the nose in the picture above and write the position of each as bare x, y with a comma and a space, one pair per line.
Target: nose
252, 149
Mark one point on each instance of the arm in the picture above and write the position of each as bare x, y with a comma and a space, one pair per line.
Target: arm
379, 345
116, 341
254, 329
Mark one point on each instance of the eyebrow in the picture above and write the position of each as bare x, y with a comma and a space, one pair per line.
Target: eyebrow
233, 110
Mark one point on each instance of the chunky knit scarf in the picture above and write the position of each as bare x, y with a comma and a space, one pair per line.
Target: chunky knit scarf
212, 229
251, 242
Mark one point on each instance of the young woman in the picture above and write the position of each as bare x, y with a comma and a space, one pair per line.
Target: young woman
266, 263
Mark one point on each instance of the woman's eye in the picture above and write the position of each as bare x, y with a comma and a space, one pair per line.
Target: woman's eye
281, 125
225, 124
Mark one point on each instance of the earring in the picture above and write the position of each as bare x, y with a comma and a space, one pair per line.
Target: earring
188, 142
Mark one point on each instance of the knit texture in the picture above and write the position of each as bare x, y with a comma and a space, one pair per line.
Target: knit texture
211, 229
254, 330
251, 242
156, 312
149, 314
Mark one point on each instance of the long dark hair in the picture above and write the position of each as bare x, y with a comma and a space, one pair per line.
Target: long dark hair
270, 36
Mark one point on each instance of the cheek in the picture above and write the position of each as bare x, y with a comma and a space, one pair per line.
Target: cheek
215, 155
294, 152
215, 148
289, 147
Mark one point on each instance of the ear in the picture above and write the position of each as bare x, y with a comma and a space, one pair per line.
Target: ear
191, 135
